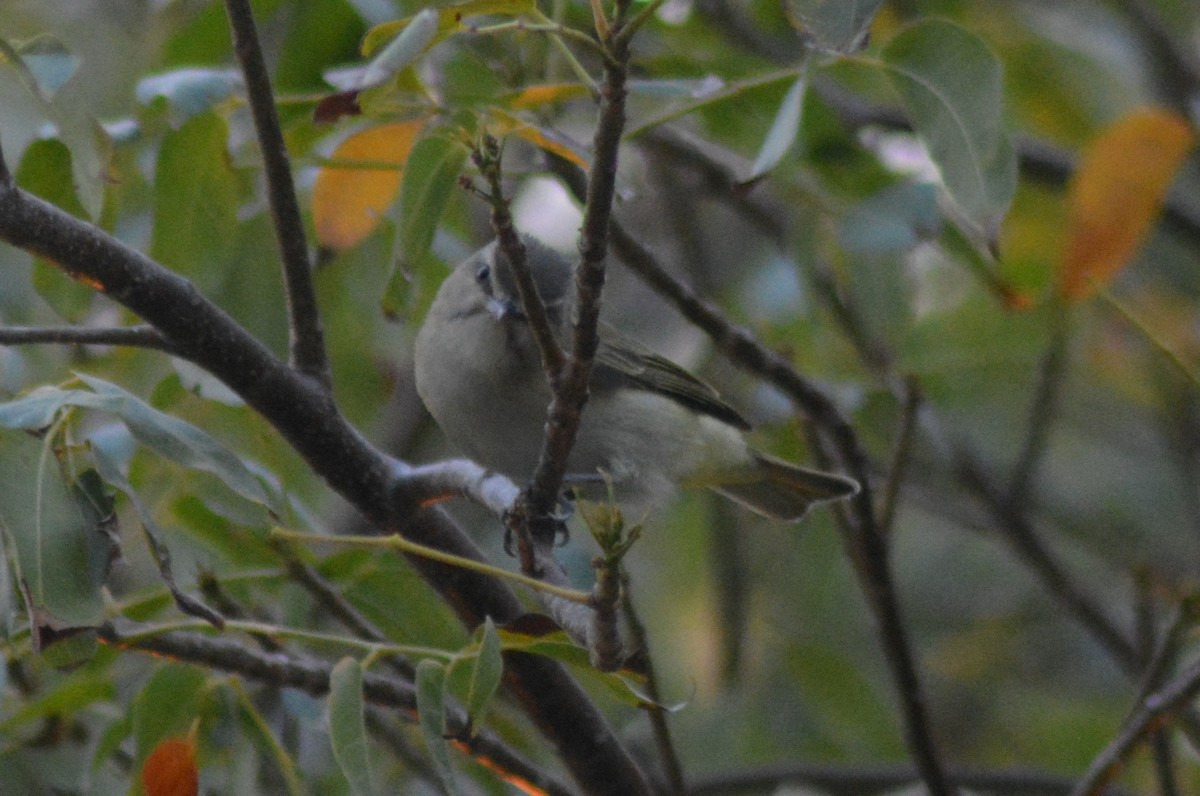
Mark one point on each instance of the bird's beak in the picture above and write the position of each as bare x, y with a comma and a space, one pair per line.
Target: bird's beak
505, 308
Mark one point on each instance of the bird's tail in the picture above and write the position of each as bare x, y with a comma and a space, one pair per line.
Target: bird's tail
781, 490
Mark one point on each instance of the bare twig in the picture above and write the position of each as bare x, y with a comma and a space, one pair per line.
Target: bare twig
132, 336
571, 386
307, 335
901, 455
1153, 711
862, 533
658, 714
1042, 411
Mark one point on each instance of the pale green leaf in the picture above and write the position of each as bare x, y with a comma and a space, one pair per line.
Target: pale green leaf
347, 727
783, 131
431, 713
486, 674
951, 85
839, 25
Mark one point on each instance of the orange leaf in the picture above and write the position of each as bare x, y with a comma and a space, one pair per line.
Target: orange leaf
170, 770
506, 123
349, 200
1117, 193
546, 93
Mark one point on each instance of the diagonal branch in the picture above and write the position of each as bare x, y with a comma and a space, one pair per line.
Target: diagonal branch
863, 535
307, 335
303, 413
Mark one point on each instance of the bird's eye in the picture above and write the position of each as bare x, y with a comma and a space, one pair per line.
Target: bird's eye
482, 273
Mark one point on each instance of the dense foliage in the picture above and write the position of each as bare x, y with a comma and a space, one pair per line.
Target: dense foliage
930, 243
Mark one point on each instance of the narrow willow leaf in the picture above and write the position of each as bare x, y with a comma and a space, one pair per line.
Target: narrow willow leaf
347, 727
783, 132
401, 51
485, 674
431, 713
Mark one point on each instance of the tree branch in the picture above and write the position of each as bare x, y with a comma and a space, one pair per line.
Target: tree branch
312, 676
571, 385
133, 336
866, 780
304, 414
307, 342
1145, 721
862, 534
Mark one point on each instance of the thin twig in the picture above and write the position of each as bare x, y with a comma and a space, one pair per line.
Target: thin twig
1154, 710
875, 780
1043, 410
868, 547
142, 336
312, 676
571, 386
303, 414
658, 715
307, 343
901, 454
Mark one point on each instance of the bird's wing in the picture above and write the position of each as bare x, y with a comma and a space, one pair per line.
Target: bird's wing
621, 362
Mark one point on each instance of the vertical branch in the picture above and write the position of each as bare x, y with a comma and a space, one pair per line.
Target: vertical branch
571, 386
307, 337
1042, 411
862, 533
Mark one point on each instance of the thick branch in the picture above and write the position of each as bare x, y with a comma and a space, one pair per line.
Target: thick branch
303, 412
307, 334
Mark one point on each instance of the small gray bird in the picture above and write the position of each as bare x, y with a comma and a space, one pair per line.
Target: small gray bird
648, 426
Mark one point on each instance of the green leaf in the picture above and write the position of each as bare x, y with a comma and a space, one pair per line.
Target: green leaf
893, 220
839, 25
430, 174
58, 552
46, 172
177, 439
68, 697
783, 131
952, 88
414, 39
44, 62
190, 92
166, 705
485, 674
167, 436
195, 202
449, 20
431, 713
347, 727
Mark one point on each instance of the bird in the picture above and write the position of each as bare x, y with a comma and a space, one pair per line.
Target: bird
648, 427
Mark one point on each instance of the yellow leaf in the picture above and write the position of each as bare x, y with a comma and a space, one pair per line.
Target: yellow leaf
1117, 193
170, 770
544, 94
505, 123
353, 192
